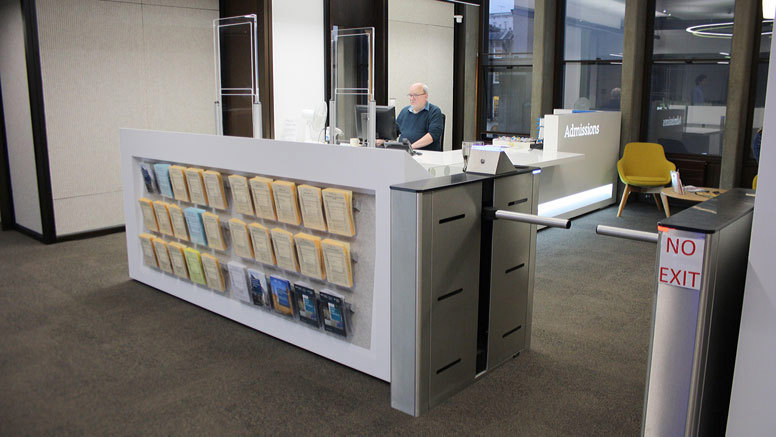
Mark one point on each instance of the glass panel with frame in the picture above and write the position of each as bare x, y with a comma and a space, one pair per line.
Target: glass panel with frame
507, 69
687, 105
508, 100
353, 75
593, 30
510, 32
592, 86
692, 29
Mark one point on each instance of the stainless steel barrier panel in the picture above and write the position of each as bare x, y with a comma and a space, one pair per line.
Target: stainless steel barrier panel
702, 257
461, 281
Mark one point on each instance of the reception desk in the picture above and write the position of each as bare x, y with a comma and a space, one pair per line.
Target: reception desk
578, 162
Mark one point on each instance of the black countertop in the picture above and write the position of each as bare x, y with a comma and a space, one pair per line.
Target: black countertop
714, 214
438, 182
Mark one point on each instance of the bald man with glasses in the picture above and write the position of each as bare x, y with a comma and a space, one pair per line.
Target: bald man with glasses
421, 122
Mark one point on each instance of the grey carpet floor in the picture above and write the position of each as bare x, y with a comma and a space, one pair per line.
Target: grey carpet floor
85, 350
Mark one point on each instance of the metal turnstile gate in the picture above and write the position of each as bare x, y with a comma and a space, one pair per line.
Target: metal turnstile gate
701, 269
461, 280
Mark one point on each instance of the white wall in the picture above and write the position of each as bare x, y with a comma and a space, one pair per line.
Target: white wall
18, 128
297, 63
754, 383
420, 49
112, 64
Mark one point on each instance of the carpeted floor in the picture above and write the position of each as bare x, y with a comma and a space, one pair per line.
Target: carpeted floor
85, 350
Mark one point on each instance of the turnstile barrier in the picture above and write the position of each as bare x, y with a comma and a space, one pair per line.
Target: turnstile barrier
701, 269
462, 276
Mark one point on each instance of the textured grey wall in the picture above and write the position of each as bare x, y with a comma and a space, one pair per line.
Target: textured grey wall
113, 64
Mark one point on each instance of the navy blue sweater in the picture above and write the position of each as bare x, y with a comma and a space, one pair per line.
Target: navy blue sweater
414, 126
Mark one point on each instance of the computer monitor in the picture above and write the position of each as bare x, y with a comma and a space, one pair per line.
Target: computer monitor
385, 122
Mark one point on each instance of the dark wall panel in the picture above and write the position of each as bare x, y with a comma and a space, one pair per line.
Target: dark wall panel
360, 13
237, 110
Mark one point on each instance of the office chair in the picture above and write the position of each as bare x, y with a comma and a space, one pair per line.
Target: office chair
643, 168
442, 138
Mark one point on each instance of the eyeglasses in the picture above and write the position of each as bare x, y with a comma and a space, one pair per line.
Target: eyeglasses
415, 95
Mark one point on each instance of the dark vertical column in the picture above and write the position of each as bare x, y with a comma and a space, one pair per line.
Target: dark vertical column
634, 76
459, 74
6, 204
747, 23
544, 61
471, 19
38, 120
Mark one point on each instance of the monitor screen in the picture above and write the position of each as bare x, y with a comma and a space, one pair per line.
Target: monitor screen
385, 123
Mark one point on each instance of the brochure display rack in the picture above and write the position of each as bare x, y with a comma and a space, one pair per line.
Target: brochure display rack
291, 239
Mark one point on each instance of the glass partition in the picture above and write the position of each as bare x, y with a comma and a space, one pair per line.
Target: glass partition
592, 54
236, 73
352, 106
506, 68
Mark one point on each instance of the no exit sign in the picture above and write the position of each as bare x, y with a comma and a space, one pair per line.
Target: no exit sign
681, 258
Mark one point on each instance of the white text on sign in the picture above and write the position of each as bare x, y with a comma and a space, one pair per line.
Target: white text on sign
681, 259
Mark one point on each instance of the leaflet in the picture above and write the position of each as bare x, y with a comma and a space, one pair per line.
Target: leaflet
311, 206
338, 205
333, 312
263, 199
163, 179
196, 227
147, 246
178, 259
149, 177
262, 245
179, 186
197, 192
178, 222
194, 263
213, 275
257, 281
281, 295
308, 251
241, 194
241, 242
149, 216
237, 281
214, 185
162, 255
336, 258
283, 242
284, 193
215, 238
306, 304
163, 217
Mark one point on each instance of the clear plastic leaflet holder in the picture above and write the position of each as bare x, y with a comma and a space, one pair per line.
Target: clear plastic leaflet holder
242, 84
352, 83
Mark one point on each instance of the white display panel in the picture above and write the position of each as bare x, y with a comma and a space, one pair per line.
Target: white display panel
363, 170
597, 136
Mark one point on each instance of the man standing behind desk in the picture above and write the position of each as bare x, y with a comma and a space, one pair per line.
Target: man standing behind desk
421, 122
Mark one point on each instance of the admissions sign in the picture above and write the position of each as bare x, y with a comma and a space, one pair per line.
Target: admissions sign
681, 259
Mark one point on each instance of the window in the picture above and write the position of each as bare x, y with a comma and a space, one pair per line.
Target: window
761, 83
592, 54
506, 68
689, 75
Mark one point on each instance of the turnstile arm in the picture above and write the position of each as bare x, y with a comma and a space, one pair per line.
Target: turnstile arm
493, 214
611, 231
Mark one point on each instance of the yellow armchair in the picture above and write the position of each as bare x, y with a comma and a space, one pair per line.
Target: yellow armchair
643, 168
754, 183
